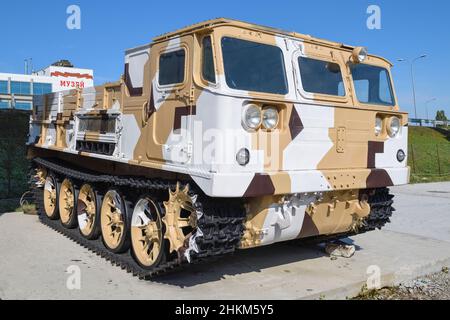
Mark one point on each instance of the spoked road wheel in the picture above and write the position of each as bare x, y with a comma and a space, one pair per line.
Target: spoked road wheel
51, 198
88, 206
67, 204
147, 242
114, 222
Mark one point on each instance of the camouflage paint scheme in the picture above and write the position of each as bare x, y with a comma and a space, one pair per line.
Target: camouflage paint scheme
327, 150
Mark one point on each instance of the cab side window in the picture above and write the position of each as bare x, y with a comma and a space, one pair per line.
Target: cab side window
171, 67
208, 70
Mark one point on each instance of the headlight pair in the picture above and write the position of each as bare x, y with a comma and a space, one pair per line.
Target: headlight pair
393, 126
253, 117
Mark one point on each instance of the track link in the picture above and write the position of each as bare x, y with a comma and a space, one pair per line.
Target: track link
381, 202
221, 222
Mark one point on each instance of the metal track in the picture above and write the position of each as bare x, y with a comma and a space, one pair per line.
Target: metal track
221, 222
381, 210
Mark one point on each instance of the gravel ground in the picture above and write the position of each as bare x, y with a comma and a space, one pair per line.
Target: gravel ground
431, 287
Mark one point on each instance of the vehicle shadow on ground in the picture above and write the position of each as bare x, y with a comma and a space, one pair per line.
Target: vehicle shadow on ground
246, 261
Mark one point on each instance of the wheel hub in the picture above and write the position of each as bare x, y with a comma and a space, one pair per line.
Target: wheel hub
116, 220
52, 197
152, 230
68, 199
90, 211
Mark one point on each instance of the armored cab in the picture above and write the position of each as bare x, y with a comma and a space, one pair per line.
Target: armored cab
220, 136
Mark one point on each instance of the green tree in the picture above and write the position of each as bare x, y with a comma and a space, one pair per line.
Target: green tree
13, 163
440, 116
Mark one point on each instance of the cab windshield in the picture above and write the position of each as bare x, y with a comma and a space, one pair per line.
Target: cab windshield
253, 66
372, 84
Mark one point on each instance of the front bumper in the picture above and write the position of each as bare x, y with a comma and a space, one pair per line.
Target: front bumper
291, 182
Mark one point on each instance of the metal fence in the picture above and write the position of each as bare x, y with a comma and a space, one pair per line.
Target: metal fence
432, 160
428, 123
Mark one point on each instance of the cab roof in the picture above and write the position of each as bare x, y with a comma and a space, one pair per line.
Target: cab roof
205, 25
231, 22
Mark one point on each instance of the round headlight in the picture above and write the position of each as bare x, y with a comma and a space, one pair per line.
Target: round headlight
359, 54
378, 126
243, 157
270, 118
252, 117
394, 127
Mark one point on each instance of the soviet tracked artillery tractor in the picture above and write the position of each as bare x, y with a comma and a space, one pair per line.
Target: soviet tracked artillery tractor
220, 136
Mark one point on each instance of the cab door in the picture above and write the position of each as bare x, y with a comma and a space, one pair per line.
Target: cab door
172, 101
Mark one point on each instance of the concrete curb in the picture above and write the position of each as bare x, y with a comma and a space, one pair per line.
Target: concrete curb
387, 280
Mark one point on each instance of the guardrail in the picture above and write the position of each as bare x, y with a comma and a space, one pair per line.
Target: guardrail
428, 123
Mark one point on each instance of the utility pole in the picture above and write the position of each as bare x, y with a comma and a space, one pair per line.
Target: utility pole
412, 80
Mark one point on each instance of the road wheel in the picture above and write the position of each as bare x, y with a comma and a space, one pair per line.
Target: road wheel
147, 241
51, 198
88, 205
114, 222
67, 204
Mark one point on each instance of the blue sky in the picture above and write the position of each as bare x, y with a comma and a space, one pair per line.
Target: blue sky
37, 29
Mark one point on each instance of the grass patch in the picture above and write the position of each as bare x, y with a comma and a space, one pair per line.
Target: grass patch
429, 154
28, 209
381, 294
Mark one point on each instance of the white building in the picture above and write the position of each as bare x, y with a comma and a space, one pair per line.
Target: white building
17, 90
